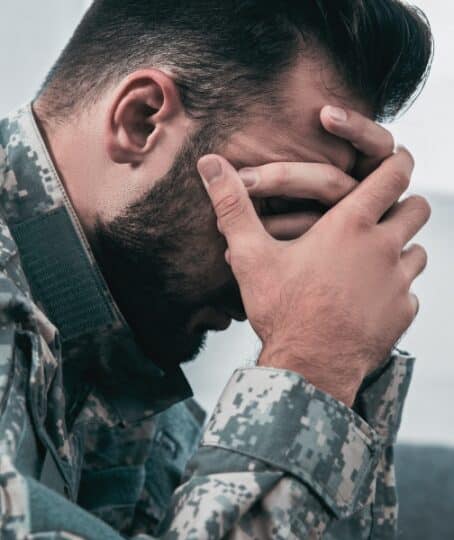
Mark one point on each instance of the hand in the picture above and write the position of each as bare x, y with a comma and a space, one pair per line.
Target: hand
331, 304
272, 185
372, 141
291, 197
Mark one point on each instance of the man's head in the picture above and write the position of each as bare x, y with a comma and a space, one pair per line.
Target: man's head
146, 87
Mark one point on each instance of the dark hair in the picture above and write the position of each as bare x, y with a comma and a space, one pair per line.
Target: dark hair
227, 54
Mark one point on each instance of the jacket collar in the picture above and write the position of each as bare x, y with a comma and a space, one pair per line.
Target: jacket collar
64, 278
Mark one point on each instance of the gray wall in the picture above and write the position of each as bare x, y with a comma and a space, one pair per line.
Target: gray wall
31, 36
34, 32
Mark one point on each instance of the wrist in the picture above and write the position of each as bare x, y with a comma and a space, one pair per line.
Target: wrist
342, 383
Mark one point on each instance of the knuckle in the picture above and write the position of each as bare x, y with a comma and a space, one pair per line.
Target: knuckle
421, 206
400, 179
359, 216
239, 261
333, 180
408, 313
363, 208
245, 256
404, 284
282, 173
229, 207
423, 263
283, 170
422, 256
390, 246
419, 249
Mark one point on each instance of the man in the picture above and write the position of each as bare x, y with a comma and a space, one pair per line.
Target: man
113, 270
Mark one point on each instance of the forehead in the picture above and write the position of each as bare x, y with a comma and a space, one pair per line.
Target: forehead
293, 131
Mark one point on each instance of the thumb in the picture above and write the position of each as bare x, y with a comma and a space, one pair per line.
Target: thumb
237, 218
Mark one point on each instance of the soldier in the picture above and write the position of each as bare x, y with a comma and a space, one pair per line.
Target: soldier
113, 270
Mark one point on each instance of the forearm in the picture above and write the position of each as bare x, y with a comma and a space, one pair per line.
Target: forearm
277, 455
278, 459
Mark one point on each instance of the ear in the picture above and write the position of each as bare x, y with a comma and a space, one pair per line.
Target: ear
143, 106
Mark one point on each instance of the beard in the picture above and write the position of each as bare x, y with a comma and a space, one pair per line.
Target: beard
163, 260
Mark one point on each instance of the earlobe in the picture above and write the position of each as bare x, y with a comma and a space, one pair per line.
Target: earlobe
143, 104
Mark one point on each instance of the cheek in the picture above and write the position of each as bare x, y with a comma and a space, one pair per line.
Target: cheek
204, 255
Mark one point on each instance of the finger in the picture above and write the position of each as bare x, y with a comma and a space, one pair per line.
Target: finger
378, 192
368, 137
373, 142
237, 218
407, 218
321, 182
290, 226
414, 261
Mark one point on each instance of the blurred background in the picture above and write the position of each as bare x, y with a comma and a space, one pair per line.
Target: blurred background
32, 35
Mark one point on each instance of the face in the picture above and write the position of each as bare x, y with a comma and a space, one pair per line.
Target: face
163, 260
163, 257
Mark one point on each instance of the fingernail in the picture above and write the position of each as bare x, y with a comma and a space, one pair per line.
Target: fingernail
248, 176
337, 114
210, 169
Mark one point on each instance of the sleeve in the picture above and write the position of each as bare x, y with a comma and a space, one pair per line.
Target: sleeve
380, 403
279, 459
30, 511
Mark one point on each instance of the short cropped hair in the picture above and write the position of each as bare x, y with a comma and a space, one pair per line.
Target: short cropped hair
228, 54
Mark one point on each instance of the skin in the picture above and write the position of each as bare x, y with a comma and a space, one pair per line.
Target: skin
345, 282
118, 159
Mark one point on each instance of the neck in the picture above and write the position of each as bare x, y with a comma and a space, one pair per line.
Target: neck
73, 147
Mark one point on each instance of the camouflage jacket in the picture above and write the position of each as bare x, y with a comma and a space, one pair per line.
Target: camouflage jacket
80, 460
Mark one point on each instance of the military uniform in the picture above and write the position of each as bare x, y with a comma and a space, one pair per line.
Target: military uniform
85, 459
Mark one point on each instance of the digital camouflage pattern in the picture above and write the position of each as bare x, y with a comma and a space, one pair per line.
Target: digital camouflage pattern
82, 457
